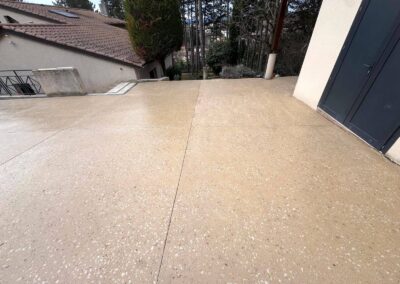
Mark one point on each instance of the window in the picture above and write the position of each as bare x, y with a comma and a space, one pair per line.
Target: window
11, 20
153, 74
64, 13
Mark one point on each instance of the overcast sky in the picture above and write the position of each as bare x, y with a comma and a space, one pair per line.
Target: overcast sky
50, 2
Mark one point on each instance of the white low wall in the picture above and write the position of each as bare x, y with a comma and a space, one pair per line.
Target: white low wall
330, 32
64, 81
98, 75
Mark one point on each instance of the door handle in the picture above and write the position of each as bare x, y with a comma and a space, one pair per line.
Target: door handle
369, 67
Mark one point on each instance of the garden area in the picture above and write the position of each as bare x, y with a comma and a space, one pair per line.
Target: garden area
232, 39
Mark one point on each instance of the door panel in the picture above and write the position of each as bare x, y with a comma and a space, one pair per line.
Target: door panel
378, 115
365, 48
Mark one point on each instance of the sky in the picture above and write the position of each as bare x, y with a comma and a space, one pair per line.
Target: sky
50, 2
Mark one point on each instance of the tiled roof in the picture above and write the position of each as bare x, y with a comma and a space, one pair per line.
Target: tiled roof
102, 40
43, 11
91, 32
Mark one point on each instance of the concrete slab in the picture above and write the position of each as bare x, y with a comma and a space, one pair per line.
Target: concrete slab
249, 212
27, 122
89, 205
216, 181
14, 144
252, 103
271, 192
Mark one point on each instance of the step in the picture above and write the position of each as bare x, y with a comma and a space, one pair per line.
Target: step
121, 88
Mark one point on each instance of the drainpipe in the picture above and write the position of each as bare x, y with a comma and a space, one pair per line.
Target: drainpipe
269, 73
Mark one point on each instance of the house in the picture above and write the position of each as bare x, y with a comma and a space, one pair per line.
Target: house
351, 70
34, 36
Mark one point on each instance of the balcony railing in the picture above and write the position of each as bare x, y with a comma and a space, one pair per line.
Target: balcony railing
19, 82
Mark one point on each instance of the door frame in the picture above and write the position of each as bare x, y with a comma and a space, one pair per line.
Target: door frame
375, 72
390, 142
342, 55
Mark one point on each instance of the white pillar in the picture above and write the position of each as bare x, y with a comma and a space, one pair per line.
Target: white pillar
204, 73
269, 73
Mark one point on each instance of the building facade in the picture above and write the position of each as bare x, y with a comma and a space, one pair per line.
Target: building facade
351, 68
36, 36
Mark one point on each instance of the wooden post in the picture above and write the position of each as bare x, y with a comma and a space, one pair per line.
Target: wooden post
202, 39
269, 73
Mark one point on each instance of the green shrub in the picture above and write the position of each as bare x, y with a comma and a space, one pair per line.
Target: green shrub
219, 55
182, 65
174, 72
237, 71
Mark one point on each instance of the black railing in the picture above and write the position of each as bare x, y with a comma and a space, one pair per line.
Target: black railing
19, 82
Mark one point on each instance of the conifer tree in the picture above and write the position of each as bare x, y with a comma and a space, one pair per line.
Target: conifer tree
81, 4
155, 28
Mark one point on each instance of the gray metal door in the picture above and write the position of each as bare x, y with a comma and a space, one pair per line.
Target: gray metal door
366, 41
376, 116
350, 96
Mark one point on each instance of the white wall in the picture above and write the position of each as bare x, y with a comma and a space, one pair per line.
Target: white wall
97, 74
168, 61
333, 24
394, 152
145, 72
21, 18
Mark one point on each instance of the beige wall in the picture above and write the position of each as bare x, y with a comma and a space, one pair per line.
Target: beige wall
394, 152
97, 74
331, 29
145, 72
21, 18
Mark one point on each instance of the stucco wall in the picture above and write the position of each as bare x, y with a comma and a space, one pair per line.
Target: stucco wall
394, 152
97, 74
21, 18
168, 61
330, 32
145, 72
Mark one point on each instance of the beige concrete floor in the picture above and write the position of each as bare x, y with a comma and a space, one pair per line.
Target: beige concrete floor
207, 182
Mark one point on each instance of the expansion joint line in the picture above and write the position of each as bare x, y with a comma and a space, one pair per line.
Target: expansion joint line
177, 187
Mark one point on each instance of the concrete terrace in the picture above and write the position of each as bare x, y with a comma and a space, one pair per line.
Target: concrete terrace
207, 182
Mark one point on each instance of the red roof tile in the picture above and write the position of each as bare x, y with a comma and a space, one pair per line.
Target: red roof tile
91, 32
43, 11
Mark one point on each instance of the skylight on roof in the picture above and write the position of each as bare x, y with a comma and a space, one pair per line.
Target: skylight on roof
64, 13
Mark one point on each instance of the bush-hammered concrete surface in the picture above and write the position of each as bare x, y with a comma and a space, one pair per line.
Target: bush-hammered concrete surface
192, 182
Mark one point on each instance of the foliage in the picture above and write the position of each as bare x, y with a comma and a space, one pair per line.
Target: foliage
155, 28
82, 4
174, 72
249, 25
253, 25
234, 31
215, 16
115, 8
299, 25
219, 55
238, 71
251, 30
182, 65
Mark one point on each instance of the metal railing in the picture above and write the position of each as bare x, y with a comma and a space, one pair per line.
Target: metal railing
19, 82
